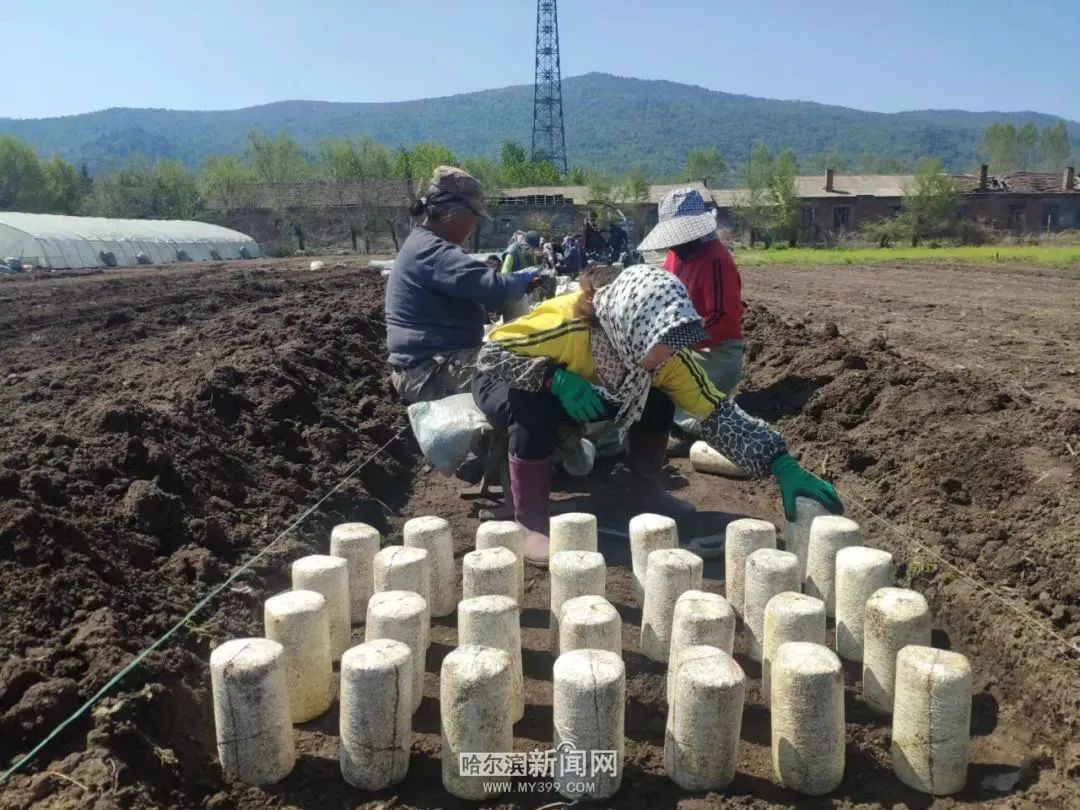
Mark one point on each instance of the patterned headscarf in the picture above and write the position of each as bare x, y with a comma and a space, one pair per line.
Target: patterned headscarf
643, 307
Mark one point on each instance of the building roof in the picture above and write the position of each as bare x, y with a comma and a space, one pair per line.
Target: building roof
579, 195
853, 185
1017, 183
656, 193
528, 195
397, 193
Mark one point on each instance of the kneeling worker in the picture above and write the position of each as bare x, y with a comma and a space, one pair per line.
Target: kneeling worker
618, 349
438, 296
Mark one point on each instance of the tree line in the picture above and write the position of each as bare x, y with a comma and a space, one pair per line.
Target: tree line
362, 173
168, 189
1005, 148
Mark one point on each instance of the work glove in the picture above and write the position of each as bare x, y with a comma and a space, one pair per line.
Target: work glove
578, 398
796, 482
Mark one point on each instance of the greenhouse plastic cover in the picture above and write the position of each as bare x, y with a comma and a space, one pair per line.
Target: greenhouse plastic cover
58, 242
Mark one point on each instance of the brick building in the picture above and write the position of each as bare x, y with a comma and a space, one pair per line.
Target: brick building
374, 217
1022, 201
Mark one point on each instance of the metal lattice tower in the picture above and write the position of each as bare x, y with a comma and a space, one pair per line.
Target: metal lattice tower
548, 134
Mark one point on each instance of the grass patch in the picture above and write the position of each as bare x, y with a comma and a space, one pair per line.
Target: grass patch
918, 573
1048, 255
206, 631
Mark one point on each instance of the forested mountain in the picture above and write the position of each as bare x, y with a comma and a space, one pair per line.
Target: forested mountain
611, 123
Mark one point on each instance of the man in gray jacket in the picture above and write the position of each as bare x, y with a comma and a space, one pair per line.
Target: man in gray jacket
438, 296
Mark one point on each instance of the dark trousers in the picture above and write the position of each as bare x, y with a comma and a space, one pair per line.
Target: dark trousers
531, 419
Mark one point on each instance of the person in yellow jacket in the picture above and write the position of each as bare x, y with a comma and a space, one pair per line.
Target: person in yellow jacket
618, 349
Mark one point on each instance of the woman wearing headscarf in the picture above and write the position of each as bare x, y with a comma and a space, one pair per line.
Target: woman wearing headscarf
618, 349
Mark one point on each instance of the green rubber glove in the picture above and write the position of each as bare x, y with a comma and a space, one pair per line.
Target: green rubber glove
576, 395
795, 482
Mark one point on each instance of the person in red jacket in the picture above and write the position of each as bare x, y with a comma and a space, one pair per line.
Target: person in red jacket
687, 229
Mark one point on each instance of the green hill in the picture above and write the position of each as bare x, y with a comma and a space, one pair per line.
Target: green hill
611, 123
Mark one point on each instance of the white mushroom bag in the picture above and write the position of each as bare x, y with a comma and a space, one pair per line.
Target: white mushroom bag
447, 429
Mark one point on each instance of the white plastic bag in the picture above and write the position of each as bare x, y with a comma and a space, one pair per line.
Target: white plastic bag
446, 430
579, 459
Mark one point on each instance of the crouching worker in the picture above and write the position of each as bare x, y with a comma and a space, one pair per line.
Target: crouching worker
438, 296
687, 229
618, 349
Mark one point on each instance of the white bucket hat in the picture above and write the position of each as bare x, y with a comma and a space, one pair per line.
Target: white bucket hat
684, 217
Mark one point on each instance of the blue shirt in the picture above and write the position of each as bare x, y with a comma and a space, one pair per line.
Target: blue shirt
437, 299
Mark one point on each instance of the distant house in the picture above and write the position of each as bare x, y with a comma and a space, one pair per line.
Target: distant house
374, 216
834, 204
1022, 201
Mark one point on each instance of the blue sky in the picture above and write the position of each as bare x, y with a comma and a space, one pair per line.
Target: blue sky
79, 55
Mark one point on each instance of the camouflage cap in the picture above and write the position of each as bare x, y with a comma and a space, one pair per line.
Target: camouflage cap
461, 185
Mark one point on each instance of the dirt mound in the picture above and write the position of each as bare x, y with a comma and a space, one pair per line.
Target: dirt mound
980, 473
977, 475
146, 465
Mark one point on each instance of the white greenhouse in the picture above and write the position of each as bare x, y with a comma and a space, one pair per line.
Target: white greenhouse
61, 242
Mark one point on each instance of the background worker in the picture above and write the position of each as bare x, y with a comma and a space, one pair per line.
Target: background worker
573, 260
549, 256
523, 253
696, 256
437, 296
617, 349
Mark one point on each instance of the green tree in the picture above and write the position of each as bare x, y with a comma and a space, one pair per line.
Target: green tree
869, 163
999, 148
518, 170
175, 191
127, 193
785, 207
416, 165
21, 177
278, 162
337, 161
1027, 147
634, 187
833, 159
222, 181
356, 174
929, 201
277, 159
489, 173
1055, 146
752, 203
600, 191
577, 177
886, 231
705, 165
141, 191
514, 165
64, 186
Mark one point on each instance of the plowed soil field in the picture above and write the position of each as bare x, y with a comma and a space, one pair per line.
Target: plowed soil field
159, 427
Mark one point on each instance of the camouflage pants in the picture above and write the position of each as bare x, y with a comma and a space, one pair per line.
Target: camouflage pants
441, 376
